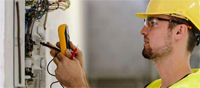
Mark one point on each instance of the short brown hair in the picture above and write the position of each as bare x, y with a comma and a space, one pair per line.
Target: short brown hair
191, 43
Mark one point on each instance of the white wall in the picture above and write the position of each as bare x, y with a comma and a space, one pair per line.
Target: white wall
2, 38
73, 18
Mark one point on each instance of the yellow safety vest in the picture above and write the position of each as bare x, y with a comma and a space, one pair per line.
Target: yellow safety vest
190, 81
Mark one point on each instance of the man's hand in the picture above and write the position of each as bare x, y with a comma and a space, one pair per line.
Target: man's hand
69, 72
78, 56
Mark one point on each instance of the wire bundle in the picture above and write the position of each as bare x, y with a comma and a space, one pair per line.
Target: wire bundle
40, 7
35, 10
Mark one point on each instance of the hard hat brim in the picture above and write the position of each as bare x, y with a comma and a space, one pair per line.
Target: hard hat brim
144, 15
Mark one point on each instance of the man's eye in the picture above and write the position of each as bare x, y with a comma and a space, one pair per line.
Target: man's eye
153, 24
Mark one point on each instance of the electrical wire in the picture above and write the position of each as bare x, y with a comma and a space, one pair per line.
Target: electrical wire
51, 73
44, 7
48, 68
18, 42
26, 23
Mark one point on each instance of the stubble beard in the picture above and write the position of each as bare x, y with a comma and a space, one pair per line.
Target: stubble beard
158, 52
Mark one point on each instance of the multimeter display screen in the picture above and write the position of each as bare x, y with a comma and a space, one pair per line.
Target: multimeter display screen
67, 37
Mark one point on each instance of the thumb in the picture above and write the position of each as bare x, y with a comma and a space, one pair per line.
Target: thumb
73, 47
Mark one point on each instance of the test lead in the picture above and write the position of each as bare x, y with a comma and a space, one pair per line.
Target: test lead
74, 52
44, 44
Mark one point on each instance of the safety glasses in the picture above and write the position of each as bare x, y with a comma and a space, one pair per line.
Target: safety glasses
154, 22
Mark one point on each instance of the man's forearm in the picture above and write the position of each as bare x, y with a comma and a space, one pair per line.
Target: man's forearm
80, 83
86, 81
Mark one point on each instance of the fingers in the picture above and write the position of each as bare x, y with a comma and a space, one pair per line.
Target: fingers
58, 44
60, 56
56, 61
73, 47
68, 53
54, 54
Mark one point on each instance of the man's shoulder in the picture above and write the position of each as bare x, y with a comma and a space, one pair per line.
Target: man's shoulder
190, 81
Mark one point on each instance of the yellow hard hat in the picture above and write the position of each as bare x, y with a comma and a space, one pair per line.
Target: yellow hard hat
186, 9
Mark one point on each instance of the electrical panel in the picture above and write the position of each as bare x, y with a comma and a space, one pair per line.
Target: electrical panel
30, 17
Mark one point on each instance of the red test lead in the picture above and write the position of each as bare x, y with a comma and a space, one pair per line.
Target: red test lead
73, 54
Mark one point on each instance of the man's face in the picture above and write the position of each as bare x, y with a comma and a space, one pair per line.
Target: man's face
157, 38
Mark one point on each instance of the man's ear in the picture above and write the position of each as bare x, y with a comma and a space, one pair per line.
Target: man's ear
180, 31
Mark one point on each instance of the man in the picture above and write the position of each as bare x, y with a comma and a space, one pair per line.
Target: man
171, 33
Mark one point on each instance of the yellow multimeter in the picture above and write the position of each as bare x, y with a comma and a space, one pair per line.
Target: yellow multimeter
64, 38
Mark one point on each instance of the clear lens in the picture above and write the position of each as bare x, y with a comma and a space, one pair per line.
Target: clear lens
151, 22
154, 22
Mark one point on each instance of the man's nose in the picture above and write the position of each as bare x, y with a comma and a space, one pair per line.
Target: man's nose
144, 31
